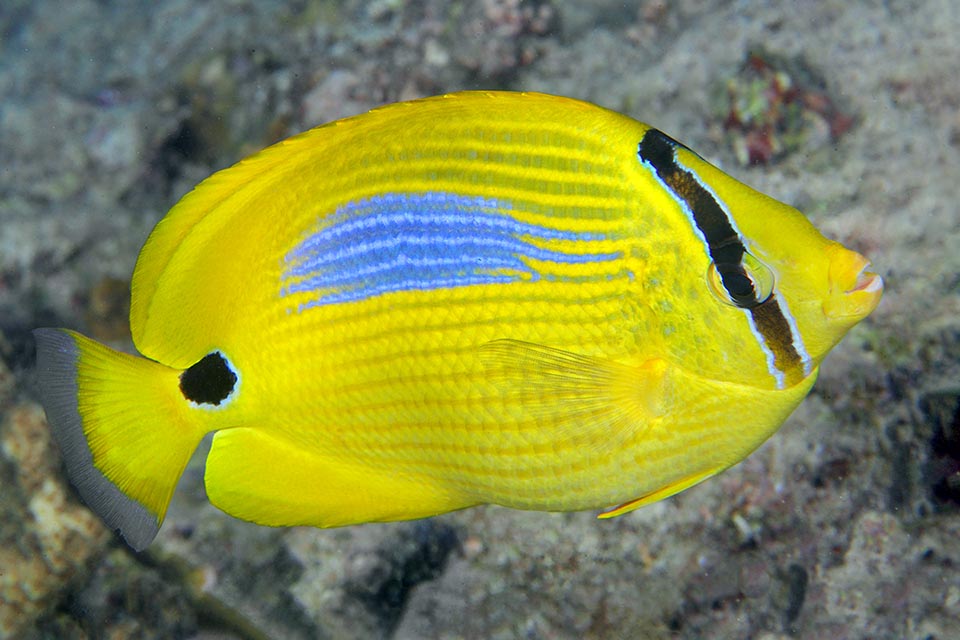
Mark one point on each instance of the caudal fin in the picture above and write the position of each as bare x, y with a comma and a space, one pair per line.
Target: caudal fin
123, 431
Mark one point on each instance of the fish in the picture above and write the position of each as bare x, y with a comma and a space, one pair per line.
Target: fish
502, 298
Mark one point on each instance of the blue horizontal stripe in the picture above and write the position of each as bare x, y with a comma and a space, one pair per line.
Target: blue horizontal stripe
403, 242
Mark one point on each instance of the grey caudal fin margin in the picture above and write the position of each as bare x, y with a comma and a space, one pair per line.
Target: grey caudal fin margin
57, 356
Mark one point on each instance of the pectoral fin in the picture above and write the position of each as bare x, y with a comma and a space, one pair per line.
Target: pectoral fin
594, 402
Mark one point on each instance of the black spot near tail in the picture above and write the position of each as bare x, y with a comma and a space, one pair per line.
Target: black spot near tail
209, 381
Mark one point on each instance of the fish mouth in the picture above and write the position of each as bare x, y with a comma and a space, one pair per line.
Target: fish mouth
867, 281
855, 290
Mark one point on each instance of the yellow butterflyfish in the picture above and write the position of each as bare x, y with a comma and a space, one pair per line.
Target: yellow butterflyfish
506, 298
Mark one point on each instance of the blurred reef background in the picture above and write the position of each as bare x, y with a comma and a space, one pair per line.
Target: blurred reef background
846, 524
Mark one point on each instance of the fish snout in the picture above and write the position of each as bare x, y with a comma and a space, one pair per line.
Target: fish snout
855, 290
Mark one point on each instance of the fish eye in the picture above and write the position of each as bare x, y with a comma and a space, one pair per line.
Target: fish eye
745, 284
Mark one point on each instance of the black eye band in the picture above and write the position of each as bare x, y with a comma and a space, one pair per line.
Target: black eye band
743, 280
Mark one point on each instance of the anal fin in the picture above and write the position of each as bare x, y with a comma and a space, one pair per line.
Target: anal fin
257, 476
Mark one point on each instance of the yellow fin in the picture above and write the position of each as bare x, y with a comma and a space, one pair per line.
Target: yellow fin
593, 402
213, 197
659, 494
260, 477
116, 421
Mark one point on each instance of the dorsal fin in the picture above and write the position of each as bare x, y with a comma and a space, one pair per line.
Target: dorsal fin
260, 187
